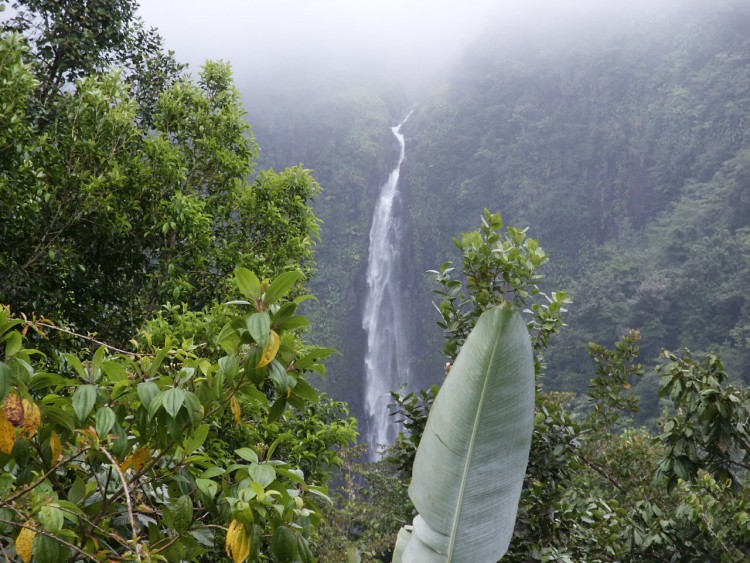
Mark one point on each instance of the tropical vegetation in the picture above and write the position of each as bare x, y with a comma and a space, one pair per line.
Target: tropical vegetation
163, 364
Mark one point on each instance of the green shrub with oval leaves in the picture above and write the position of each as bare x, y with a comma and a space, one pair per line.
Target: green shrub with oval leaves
108, 456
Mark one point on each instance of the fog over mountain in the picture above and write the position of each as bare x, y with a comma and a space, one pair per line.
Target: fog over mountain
400, 38
297, 36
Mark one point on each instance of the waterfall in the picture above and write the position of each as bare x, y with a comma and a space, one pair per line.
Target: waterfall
387, 352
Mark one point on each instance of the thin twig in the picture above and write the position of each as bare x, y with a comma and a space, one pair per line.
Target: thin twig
601, 472
73, 333
136, 543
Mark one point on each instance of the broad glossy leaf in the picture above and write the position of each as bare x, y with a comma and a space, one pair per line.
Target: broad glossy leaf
42, 380
114, 371
105, 420
248, 283
471, 462
263, 473
147, 390
281, 286
247, 454
83, 401
259, 326
306, 391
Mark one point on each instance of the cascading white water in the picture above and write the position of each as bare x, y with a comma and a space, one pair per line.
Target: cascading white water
387, 353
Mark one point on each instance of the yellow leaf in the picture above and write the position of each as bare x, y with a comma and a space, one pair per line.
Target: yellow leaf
32, 419
136, 460
56, 446
238, 541
271, 349
234, 404
7, 434
25, 543
14, 409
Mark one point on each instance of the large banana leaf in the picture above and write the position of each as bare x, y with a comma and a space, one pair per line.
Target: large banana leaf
470, 465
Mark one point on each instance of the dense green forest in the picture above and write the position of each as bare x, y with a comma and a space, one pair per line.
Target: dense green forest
176, 284
624, 149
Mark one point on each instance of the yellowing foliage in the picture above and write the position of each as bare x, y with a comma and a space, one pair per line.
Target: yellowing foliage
136, 459
7, 434
234, 405
32, 419
271, 349
56, 446
238, 542
25, 543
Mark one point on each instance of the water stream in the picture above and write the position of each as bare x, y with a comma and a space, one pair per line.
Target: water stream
387, 352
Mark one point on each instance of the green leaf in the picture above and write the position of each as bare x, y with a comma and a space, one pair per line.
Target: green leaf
281, 286
58, 416
157, 361
76, 364
471, 461
14, 345
105, 420
83, 401
196, 439
42, 380
247, 454
276, 410
284, 545
207, 487
49, 550
6, 376
263, 473
293, 323
259, 326
248, 283
212, 472
114, 371
51, 518
96, 363
146, 392
306, 391
156, 404
77, 492
173, 400
313, 357
182, 514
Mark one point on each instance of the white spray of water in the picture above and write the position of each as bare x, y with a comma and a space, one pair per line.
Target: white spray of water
387, 353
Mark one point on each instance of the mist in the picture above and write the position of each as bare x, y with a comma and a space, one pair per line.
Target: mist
291, 42
289, 38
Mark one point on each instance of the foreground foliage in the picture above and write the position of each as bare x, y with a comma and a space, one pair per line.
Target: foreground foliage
117, 455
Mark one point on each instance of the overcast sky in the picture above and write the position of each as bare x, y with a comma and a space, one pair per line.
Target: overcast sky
404, 36
255, 33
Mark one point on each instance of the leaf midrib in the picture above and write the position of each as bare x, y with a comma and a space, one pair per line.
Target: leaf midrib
470, 451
